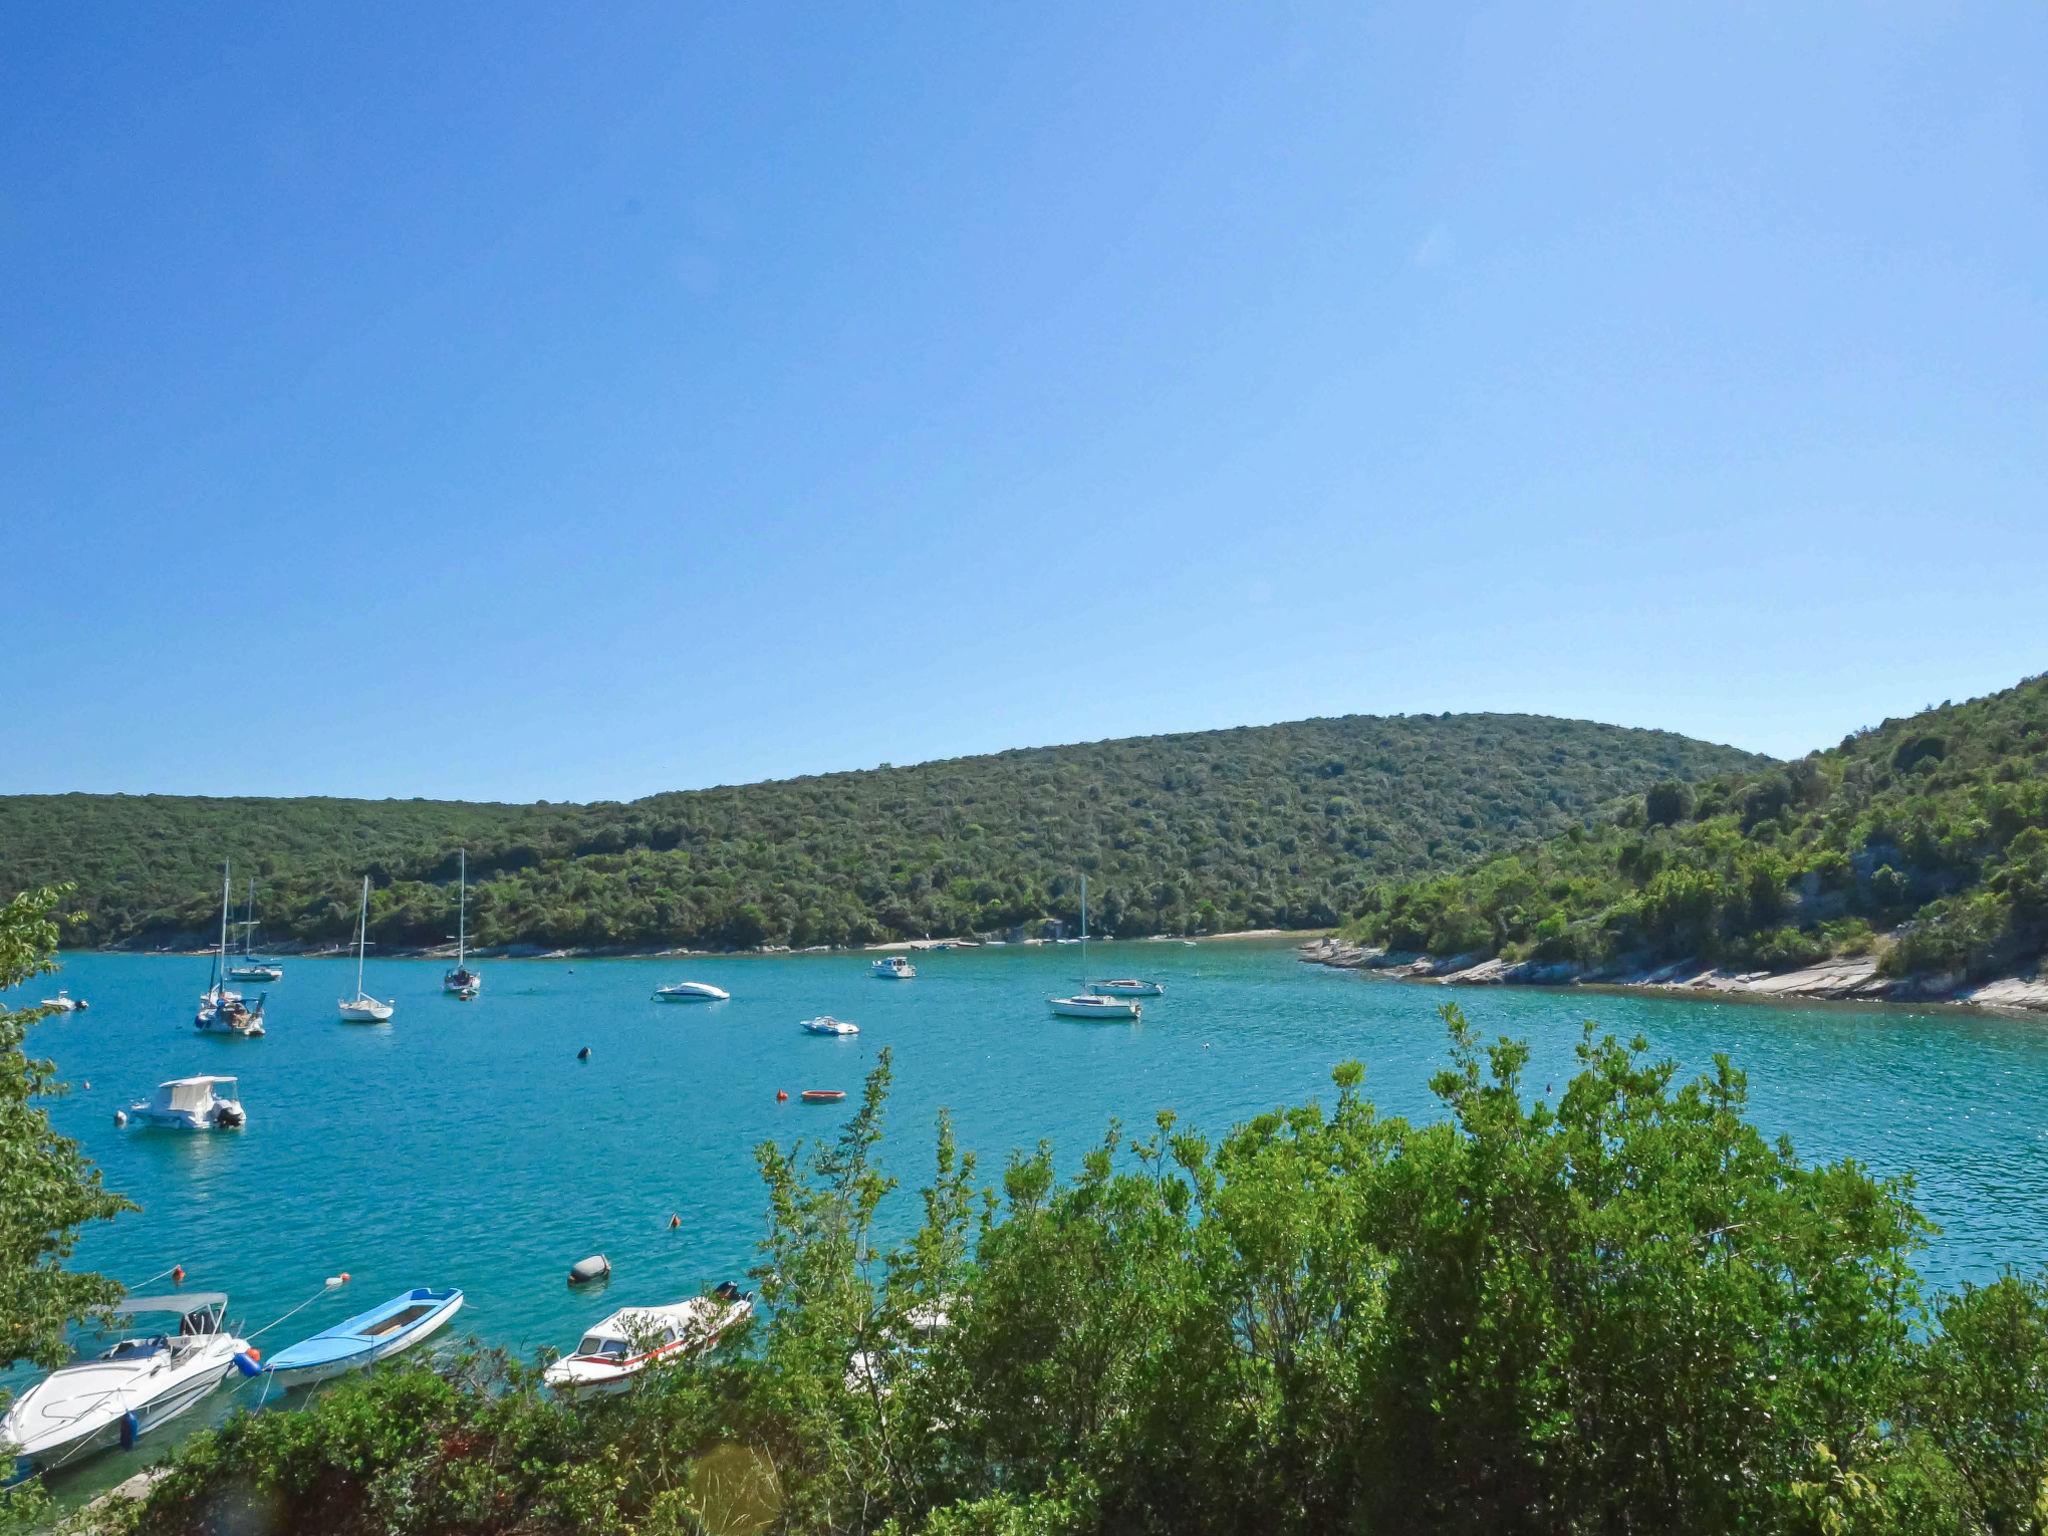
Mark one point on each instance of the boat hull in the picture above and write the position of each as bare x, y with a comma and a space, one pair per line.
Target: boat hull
289, 1377
364, 1013
1114, 1010
49, 1437
694, 992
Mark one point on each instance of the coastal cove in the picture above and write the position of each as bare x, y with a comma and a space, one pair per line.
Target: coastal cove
465, 1144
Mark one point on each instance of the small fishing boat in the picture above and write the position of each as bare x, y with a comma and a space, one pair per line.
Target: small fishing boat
403, 1321
823, 1095
125, 1392
614, 1351
894, 968
64, 1002
1125, 986
691, 992
249, 967
1088, 1004
825, 1024
363, 1008
193, 1104
462, 982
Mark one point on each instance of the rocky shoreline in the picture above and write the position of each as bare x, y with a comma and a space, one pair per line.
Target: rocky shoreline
1851, 978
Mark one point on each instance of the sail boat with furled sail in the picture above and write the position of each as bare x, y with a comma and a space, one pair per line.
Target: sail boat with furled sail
462, 982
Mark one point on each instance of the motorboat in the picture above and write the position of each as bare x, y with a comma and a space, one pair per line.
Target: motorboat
407, 1319
193, 1104
1125, 986
894, 968
363, 1008
825, 1024
462, 982
614, 1351
823, 1095
691, 992
249, 967
870, 1370
1088, 1003
141, 1383
64, 1002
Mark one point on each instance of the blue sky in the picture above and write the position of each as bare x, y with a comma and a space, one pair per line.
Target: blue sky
490, 401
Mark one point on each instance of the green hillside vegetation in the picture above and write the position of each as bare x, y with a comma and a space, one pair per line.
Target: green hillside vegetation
1282, 826
1933, 829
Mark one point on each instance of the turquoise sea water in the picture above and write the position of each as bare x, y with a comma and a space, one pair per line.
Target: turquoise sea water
465, 1144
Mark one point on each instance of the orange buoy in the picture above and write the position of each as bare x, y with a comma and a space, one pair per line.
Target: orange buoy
178, 1275
674, 1221
782, 1095
253, 1352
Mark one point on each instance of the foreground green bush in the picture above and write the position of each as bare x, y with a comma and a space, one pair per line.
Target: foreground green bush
1619, 1309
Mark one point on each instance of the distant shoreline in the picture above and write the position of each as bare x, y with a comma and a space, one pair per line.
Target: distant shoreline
1851, 979
600, 952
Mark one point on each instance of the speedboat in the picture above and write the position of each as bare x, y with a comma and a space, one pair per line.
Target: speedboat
894, 968
617, 1349
1088, 1006
125, 1392
64, 1002
825, 1024
403, 1321
228, 1013
691, 992
193, 1104
1125, 986
869, 1370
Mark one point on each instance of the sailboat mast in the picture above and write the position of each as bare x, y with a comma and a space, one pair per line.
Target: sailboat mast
227, 896
1084, 930
249, 927
462, 911
362, 933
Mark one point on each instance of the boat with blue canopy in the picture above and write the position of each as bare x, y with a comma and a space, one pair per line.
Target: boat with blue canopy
364, 1339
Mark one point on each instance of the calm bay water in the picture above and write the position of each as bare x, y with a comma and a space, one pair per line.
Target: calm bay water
465, 1144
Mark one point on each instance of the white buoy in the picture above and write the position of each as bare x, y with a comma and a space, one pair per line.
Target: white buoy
583, 1271
120, 1117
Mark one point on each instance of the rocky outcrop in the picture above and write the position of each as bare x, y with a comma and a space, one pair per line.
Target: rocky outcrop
1851, 978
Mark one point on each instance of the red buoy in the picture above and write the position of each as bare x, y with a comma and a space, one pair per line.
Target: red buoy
782, 1095
674, 1221
178, 1275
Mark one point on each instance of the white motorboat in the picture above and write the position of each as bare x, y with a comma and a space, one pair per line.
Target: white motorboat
691, 992
363, 1008
894, 968
871, 1370
825, 1024
207, 1103
462, 982
1087, 1004
64, 1002
221, 1010
125, 1392
1125, 986
249, 967
617, 1349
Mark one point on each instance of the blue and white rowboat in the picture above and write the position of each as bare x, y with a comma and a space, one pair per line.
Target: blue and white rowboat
364, 1339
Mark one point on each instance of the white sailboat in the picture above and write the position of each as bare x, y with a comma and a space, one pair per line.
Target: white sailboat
1085, 1004
249, 967
222, 1011
462, 982
363, 1008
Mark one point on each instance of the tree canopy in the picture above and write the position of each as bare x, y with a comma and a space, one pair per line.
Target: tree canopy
1933, 829
1282, 826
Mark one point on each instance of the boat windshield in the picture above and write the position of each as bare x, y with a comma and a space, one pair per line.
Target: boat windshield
597, 1347
136, 1349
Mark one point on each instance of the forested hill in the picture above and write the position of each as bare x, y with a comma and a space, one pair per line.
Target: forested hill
1932, 830
1284, 825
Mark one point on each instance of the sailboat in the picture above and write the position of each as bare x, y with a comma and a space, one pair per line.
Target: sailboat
363, 1008
220, 1010
249, 968
462, 981
1085, 1004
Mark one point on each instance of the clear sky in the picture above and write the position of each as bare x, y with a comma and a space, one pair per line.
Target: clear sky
525, 401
